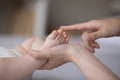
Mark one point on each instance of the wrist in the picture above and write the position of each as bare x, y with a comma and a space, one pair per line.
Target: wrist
76, 54
70, 53
72, 56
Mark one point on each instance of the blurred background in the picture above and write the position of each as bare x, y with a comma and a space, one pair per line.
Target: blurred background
20, 19
40, 17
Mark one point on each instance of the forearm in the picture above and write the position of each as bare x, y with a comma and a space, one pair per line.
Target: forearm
18, 68
92, 68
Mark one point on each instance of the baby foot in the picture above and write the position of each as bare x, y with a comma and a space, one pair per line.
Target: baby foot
37, 44
55, 38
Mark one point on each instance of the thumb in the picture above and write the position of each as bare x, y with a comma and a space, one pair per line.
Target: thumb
39, 54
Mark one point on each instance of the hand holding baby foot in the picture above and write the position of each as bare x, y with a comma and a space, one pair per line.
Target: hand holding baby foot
59, 55
54, 39
56, 56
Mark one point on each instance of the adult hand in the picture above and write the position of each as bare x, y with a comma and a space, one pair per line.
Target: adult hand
56, 56
95, 29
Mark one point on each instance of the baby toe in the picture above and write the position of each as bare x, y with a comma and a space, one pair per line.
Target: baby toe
54, 34
63, 40
67, 40
64, 33
60, 31
58, 36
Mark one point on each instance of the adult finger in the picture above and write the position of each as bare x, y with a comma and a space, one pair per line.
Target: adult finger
94, 44
86, 41
83, 26
95, 35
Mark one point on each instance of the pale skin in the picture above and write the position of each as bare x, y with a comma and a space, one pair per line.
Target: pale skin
68, 53
89, 65
19, 68
95, 29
